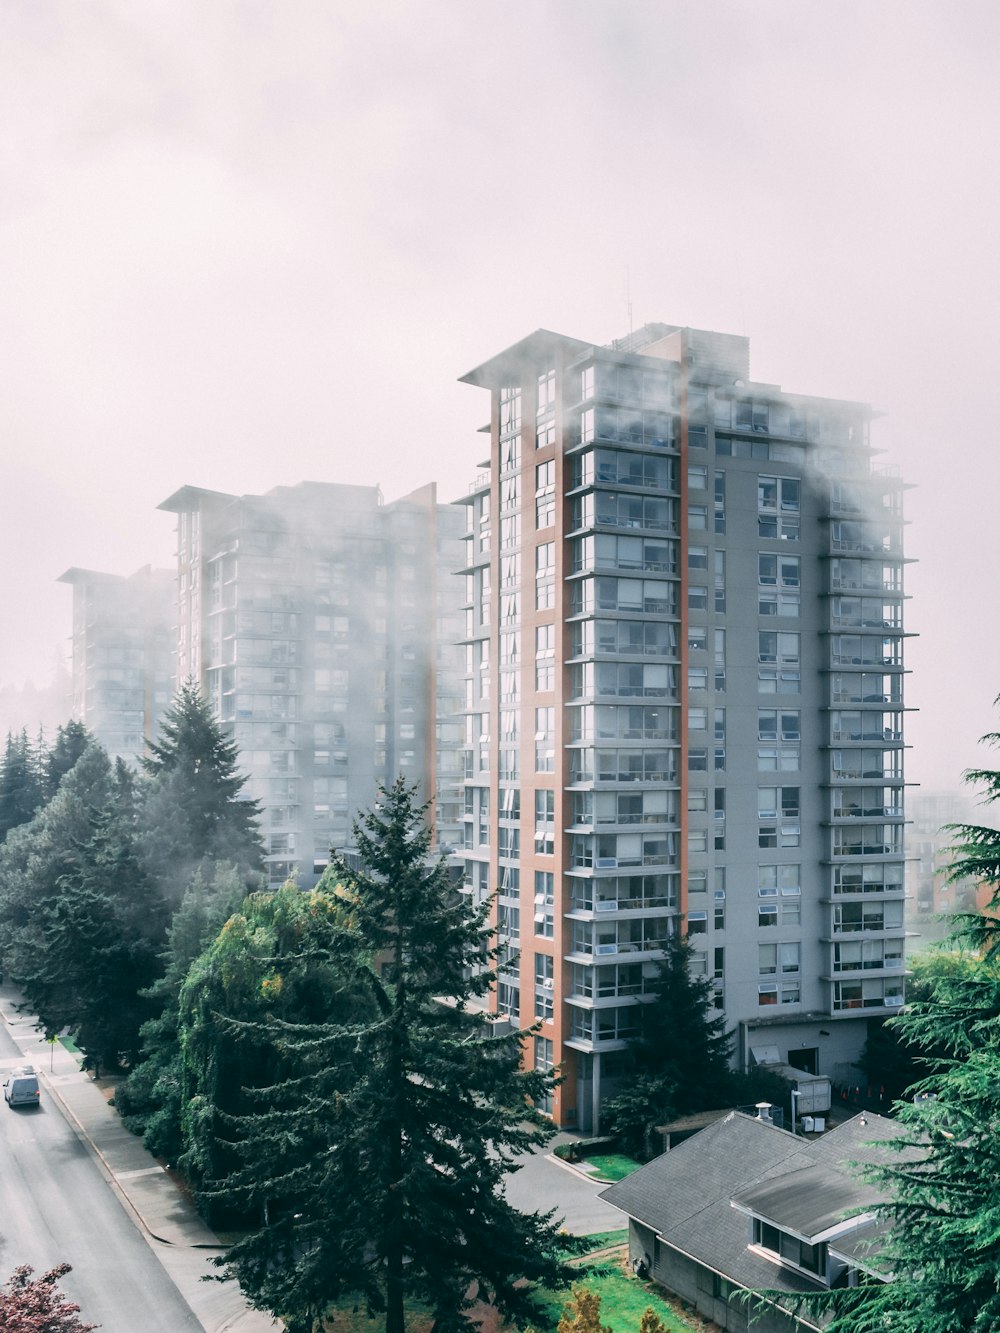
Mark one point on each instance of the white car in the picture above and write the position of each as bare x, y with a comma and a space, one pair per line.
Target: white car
21, 1087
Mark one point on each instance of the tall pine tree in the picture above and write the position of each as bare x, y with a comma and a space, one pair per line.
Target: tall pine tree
70, 742
680, 1060
194, 812
81, 922
412, 1116
21, 787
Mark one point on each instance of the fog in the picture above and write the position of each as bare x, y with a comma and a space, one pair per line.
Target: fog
245, 244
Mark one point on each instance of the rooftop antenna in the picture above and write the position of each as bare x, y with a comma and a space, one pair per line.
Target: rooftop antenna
628, 302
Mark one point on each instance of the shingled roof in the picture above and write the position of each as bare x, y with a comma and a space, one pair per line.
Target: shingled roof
686, 1195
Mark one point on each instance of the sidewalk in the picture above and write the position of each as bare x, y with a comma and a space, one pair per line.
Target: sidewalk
182, 1242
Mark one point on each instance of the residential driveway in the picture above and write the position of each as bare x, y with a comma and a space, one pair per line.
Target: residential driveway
543, 1182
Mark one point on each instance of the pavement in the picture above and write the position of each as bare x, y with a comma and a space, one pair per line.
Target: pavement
172, 1226
182, 1242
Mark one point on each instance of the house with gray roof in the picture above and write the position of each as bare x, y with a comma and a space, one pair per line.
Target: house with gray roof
745, 1206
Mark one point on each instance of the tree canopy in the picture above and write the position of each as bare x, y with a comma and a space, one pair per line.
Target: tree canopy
36, 1305
80, 922
377, 1169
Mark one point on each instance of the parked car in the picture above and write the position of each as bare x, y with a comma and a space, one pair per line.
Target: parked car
21, 1087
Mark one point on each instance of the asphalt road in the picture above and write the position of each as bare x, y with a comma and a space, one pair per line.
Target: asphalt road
57, 1206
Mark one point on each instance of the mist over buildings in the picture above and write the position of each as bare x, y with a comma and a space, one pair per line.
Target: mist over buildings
248, 245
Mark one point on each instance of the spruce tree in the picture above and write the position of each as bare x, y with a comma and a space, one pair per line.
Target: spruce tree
70, 742
21, 788
679, 1063
194, 812
382, 1162
83, 926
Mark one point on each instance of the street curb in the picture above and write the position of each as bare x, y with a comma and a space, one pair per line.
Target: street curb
81, 1132
571, 1166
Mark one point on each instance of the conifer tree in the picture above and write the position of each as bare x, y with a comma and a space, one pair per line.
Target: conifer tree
21, 788
679, 1061
70, 742
411, 1117
81, 922
151, 1098
194, 812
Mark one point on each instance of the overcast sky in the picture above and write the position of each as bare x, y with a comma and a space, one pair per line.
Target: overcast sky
247, 244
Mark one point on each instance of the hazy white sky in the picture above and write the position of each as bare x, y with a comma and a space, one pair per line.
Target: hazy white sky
246, 244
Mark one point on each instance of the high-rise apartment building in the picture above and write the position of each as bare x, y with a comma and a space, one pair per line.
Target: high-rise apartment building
122, 655
684, 701
322, 625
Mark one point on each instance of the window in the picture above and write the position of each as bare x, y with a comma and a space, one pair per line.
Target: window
545, 822
510, 422
779, 895
719, 897
544, 918
778, 506
698, 518
545, 755
720, 502
544, 985
545, 562
697, 678
778, 571
773, 603
544, 1064
697, 477
778, 813
545, 498
719, 583
697, 599
698, 557
698, 759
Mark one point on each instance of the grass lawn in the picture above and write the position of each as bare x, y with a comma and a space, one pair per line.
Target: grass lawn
603, 1240
623, 1300
612, 1166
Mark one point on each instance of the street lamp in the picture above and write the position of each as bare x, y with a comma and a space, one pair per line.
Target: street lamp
795, 1107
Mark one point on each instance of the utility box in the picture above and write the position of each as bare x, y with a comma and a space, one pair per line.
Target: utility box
815, 1095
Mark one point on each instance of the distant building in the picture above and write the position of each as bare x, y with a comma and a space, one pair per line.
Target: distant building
743, 1206
122, 651
323, 627
685, 683
929, 846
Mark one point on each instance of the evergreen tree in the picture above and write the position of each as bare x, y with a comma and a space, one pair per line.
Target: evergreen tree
381, 1164
21, 788
70, 742
941, 1260
942, 1256
151, 1098
679, 1061
271, 963
193, 812
82, 924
